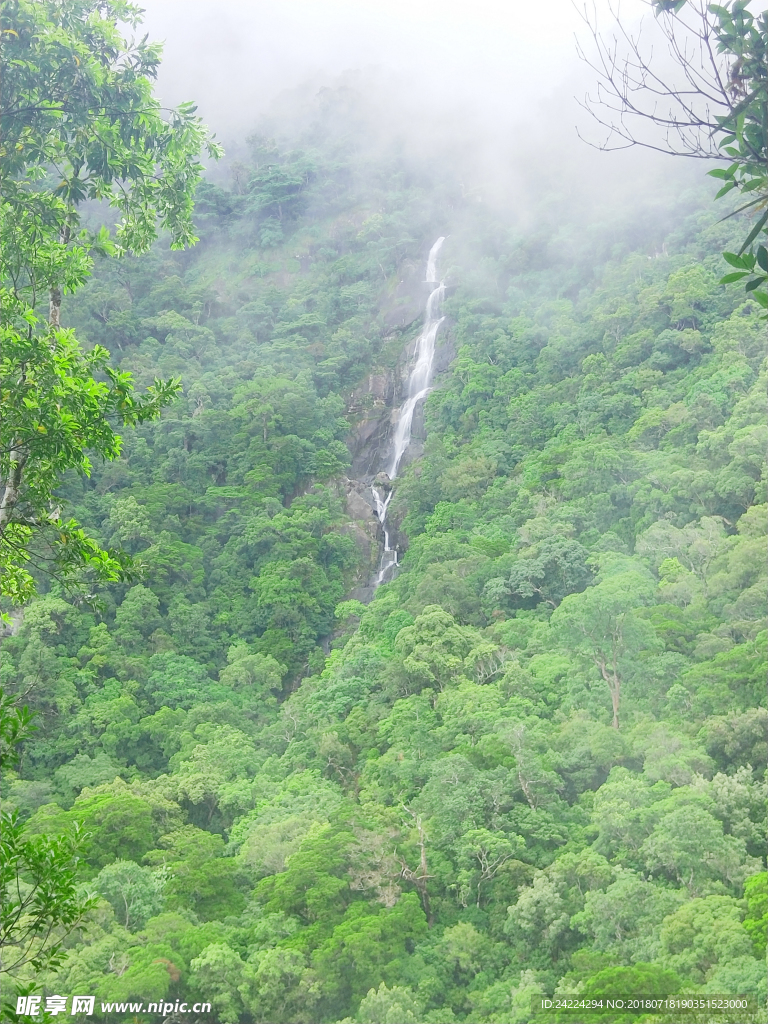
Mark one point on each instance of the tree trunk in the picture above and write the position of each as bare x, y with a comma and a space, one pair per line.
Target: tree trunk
522, 775
12, 487
54, 308
614, 685
526, 788
420, 879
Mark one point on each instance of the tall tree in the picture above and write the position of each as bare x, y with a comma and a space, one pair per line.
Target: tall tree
601, 625
79, 123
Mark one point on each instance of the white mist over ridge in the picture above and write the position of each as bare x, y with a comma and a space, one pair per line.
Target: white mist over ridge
488, 56
491, 101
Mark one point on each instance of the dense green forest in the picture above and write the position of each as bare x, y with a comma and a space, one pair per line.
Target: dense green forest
534, 763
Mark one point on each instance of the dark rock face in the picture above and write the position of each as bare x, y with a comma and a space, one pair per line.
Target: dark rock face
373, 407
445, 350
359, 501
365, 530
405, 305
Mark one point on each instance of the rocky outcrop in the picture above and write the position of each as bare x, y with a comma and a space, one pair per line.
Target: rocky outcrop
404, 305
373, 409
370, 409
365, 529
11, 624
373, 405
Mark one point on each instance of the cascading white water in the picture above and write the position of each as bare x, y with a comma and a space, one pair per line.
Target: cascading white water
418, 387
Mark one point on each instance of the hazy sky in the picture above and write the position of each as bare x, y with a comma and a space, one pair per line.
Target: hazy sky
493, 56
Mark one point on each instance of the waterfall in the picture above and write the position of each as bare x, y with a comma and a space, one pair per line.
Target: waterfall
418, 386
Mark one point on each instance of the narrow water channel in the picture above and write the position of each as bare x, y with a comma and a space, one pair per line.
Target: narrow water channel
419, 381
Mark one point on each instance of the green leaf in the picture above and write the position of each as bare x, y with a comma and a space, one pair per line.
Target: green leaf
730, 278
756, 229
736, 261
669, 6
753, 284
726, 173
747, 206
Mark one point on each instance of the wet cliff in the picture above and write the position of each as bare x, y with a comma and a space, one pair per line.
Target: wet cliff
374, 407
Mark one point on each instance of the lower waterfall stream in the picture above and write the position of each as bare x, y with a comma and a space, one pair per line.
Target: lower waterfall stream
419, 381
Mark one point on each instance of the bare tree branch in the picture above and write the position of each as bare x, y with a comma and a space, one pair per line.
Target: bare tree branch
683, 94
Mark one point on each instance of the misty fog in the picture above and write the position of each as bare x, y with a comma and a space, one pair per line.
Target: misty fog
489, 91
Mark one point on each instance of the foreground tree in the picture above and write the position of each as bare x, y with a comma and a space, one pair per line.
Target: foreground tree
79, 123
56, 413
706, 98
40, 903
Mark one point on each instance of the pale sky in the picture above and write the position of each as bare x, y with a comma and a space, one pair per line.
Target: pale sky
235, 56
490, 85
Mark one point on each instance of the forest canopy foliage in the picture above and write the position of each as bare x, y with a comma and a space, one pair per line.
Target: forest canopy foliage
535, 762
79, 122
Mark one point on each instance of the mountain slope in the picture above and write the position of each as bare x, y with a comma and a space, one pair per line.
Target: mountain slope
418, 810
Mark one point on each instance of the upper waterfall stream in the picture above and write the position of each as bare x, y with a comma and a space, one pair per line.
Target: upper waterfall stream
419, 381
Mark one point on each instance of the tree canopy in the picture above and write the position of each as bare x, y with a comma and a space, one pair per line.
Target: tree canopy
533, 764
